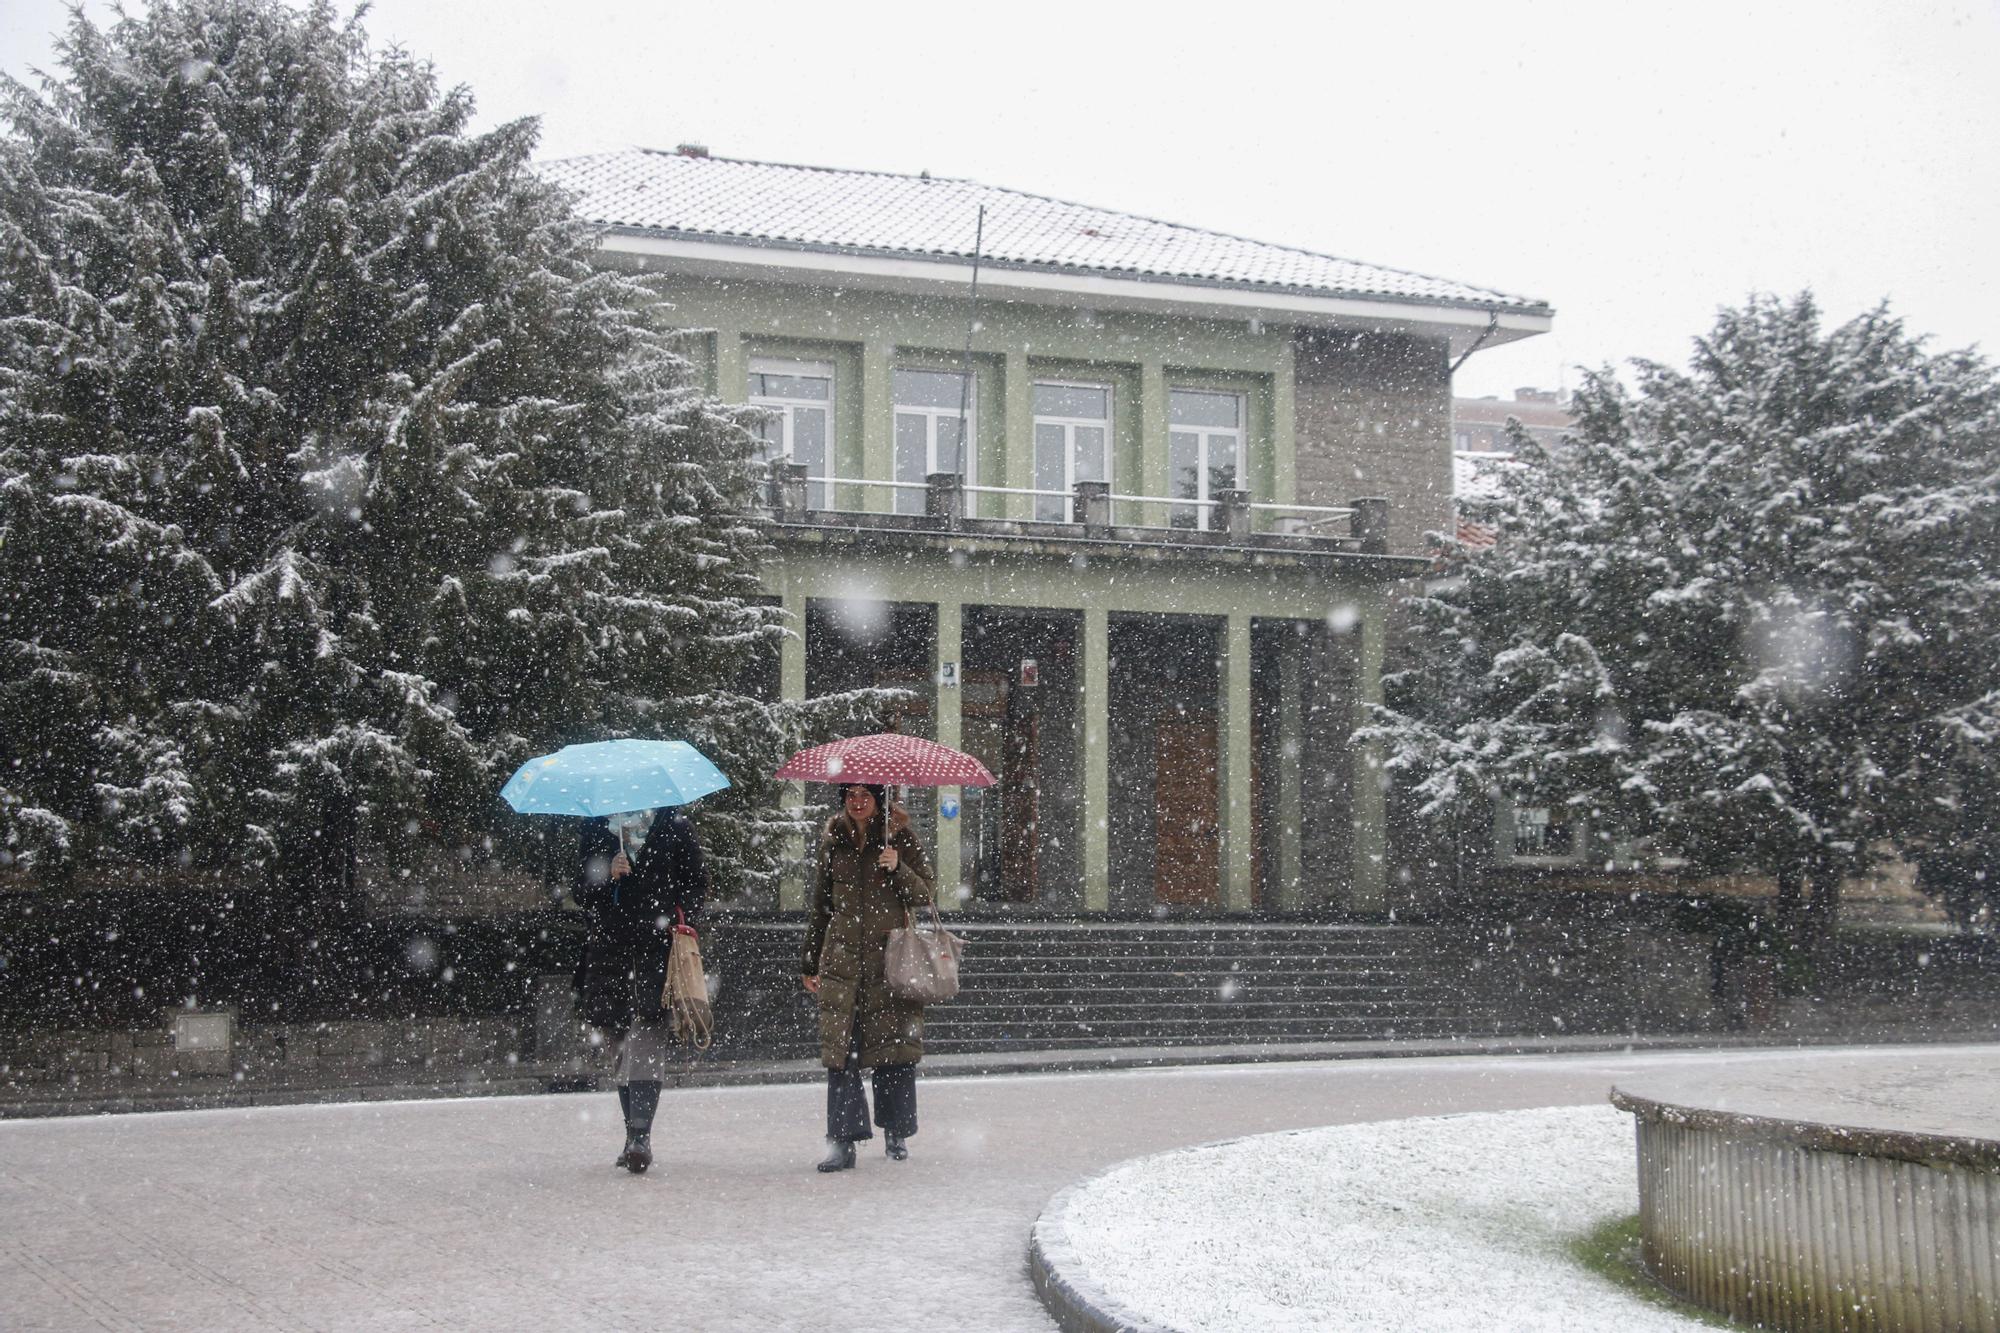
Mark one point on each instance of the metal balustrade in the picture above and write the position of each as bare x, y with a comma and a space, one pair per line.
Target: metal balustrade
1094, 510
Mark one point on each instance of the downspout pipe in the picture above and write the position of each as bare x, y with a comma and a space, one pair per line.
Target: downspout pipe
1492, 324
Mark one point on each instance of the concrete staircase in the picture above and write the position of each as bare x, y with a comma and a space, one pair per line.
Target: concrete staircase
1051, 985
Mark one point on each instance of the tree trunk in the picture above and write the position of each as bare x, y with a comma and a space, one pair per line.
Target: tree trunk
1791, 903
320, 892
1823, 906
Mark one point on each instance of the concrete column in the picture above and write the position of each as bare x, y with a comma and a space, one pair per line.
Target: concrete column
950, 618
1153, 468
1231, 514
944, 503
1371, 524
1018, 454
1237, 837
1369, 893
1284, 430
1291, 773
790, 491
1096, 759
792, 687
732, 367
878, 426
1092, 505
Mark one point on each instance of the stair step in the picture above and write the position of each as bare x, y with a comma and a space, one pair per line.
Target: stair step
966, 1004
1035, 986
1087, 1039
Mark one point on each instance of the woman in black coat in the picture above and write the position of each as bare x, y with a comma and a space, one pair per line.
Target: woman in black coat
633, 907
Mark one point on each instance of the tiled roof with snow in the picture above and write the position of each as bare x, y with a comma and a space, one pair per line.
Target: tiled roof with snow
1475, 475
878, 213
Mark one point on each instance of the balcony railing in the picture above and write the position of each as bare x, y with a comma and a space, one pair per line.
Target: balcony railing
1093, 510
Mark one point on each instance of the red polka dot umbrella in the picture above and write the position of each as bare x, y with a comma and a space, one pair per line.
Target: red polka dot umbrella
888, 758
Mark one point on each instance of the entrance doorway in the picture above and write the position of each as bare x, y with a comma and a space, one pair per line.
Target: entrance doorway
1187, 833
1164, 806
861, 645
1019, 714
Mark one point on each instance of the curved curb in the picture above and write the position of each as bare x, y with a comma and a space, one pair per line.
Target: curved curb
1077, 1304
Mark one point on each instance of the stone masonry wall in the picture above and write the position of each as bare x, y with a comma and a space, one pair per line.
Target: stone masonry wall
1373, 417
453, 1043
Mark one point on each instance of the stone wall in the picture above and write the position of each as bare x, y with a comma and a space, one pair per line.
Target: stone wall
260, 1050
1551, 965
1373, 417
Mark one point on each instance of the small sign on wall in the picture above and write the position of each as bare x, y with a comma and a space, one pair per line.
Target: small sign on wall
1031, 673
947, 675
206, 1030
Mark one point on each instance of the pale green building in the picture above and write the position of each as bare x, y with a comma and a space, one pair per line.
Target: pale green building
1128, 522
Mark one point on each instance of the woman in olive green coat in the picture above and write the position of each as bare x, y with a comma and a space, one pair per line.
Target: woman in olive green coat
862, 890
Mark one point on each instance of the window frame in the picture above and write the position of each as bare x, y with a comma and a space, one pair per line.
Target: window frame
1069, 428
820, 494
1201, 515
1508, 829
969, 441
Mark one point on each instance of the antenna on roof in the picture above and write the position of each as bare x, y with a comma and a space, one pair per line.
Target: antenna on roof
965, 367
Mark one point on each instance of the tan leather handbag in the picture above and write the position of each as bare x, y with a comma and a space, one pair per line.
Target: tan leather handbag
686, 997
922, 961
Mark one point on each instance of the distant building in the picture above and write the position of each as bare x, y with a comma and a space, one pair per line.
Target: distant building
1479, 425
1481, 448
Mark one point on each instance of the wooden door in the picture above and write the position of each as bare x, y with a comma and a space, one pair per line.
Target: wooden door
982, 734
1187, 835
1021, 803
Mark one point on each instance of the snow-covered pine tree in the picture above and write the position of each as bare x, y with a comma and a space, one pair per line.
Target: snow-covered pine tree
1749, 609
335, 480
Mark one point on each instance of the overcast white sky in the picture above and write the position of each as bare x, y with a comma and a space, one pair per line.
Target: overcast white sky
1636, 166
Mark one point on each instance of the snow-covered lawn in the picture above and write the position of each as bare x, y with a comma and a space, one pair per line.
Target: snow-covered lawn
1449, 1222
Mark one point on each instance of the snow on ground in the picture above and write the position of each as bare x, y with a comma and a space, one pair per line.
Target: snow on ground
1438, 1223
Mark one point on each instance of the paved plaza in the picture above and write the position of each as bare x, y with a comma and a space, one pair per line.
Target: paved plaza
506, 1213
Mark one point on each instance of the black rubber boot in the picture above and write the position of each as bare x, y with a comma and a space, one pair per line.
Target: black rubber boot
624, 1118
896, 1146
644, 1101
839, 1156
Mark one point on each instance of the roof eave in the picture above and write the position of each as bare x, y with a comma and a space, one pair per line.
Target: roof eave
1461, 324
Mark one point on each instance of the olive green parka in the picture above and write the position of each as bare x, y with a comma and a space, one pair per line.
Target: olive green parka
855, 904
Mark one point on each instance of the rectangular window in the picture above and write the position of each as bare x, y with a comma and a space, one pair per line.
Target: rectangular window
934, 419
1538, 832
1205, 449
1072, 442
800, 394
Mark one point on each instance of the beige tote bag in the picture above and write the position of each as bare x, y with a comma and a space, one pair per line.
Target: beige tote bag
922, 962
686, 997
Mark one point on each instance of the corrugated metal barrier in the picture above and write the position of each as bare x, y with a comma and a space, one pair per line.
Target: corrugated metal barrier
1800, 1227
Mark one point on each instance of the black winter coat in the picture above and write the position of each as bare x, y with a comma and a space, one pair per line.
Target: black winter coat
631, 919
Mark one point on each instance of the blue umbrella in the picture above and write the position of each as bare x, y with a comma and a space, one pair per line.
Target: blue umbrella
608, 777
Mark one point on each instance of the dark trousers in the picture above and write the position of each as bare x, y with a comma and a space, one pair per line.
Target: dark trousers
847, 1108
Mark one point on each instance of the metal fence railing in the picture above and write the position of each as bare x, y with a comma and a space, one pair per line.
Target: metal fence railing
1091, 504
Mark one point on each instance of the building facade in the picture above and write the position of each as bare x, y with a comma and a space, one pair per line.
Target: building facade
1124, 523
1482, 447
